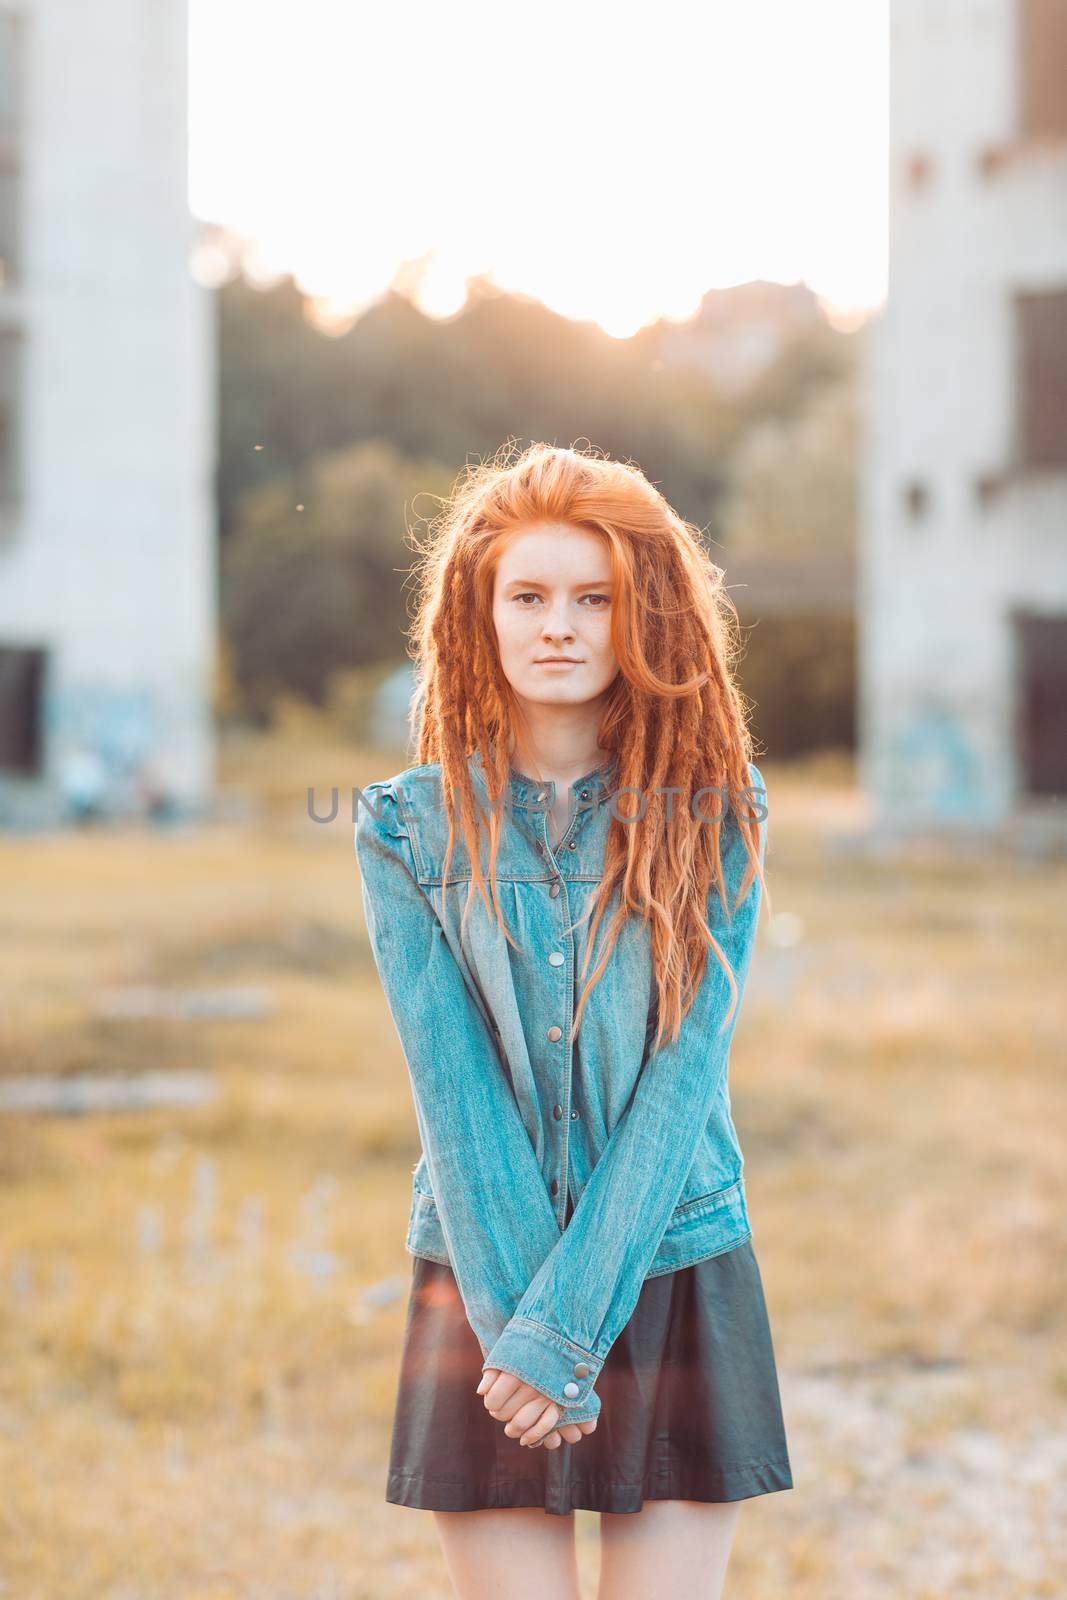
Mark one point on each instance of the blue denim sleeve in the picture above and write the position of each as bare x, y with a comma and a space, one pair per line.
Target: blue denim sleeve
584, 1292
496, 1215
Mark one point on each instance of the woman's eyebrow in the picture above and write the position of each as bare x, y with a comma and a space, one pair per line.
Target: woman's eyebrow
533, 583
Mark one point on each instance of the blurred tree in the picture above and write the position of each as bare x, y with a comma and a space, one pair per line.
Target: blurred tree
505, 366
799, 672
794, 480
305, 592
792, 506
354, 425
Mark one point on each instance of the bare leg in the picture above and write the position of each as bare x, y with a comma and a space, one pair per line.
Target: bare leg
678, 1548
520, 1553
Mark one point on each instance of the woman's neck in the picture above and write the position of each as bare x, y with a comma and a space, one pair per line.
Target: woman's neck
560, 754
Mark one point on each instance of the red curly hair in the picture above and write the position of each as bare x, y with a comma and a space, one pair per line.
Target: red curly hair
673, 717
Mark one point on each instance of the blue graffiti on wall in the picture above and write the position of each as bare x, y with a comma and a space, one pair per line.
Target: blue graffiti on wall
105, 739
936, 768
121, 725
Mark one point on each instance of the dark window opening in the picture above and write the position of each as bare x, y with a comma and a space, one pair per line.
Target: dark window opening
10, 366
1041, 382
11, 83
1043, 25
21, 694
917, 499
1041, 656
11, 73
9, 229
987, 487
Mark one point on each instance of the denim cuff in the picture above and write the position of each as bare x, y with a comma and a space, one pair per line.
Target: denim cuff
551, 1364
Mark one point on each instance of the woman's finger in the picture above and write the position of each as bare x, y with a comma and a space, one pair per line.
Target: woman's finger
543, 1426
505, 1394
571, 1432
527, 1415
503, 1409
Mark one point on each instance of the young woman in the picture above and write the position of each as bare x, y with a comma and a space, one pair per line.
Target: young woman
562, 898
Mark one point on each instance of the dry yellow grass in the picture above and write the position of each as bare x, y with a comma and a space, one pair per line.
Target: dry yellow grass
189, 1408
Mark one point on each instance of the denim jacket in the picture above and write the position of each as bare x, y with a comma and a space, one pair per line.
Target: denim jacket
510, 1116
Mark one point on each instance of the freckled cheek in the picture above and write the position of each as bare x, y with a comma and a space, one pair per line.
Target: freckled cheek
514, 646
604, 657
508, 637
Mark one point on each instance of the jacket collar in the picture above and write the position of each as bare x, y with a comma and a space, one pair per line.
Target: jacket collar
591, 788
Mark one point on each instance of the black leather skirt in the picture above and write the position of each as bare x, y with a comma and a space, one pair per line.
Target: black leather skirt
690, 1404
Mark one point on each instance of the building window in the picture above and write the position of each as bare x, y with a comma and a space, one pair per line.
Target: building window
916, 499
1041, 702
10, 364
9, 192
987, 486
919, 170
21, 693
11, 76
1043, 25
1041, 379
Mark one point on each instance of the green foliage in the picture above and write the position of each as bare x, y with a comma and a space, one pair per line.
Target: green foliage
794, 482
503, 366
362, 430
799, 671
308, 592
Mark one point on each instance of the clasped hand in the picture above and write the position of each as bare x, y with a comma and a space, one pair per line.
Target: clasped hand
526, 1413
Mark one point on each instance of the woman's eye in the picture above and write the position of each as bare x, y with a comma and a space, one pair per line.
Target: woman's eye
529, 595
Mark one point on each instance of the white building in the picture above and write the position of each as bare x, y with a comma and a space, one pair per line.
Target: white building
107, 567
963, 550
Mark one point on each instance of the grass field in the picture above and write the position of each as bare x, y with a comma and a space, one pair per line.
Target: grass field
201, 1308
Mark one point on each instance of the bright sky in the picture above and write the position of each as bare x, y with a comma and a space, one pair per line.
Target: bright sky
615, 160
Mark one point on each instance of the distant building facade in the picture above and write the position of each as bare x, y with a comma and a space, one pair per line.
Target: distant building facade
107, 427
963, 538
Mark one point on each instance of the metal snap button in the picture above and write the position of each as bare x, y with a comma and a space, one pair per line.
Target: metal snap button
573, 1115
573, 844
581, 1370
556, 959
555, 1033
571, 1390
554, 891
554, 1186
557, 1112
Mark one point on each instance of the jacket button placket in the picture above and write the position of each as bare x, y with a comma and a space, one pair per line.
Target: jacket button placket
557, 958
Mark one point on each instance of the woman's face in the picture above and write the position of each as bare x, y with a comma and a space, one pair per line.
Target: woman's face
553, 597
